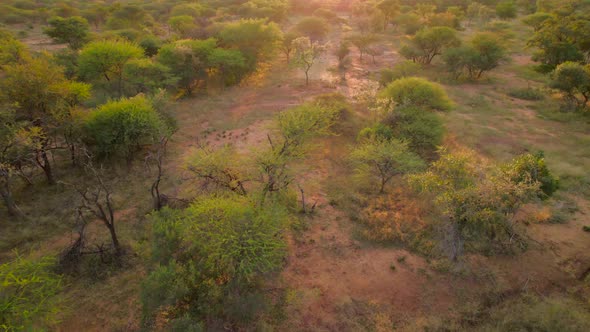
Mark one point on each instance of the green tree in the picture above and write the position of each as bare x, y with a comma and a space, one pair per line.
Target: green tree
186, 61
286, 44
228, 65
106, 60
28, 290
478, 204
216, 249
421, 129
418, 92
306, 54
430, 42
313, 27
274, 10
45, 99
151, 45
182, 24
10, 158
295, 127
532, 167
257, 40
342, 53
195, 61
400, 70
562, 36
124, 126
506, 9
536, 20
72, 31
389, 8
384, 159
220, 168
11, 50
363, 42
147, 76
573, 80
482, 54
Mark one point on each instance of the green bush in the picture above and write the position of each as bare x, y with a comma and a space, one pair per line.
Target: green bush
527, 94
124, 126
418, 92
532, 167
403, 69
423, 130
506, 9
535, 314
218, 247
27, 294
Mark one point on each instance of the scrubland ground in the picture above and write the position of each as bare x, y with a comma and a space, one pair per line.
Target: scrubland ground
335, 279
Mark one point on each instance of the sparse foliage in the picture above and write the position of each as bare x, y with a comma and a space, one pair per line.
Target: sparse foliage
307, 53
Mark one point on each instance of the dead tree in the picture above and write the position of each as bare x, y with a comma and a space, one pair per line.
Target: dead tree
98, 202
304, 204
70, 256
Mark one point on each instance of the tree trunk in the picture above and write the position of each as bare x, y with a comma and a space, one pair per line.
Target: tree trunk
11, 206
116, 244
46, 166
306, 77
382, 189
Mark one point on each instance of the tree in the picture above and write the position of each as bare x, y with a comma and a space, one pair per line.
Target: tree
573, 80
410, 22
478, 204
400, 70
228, 65
536, 20
389, 8
151, 45
306, 54
422, 130
182, 24
479, 12
419, 92
562, 36
506, 9
217, 249
106, 60
342, 53
11, 50
123, 126
313, 27
257, 40
96, 199
9, 158
484, 53
45, 99
275, 11
532, 167
430, 42
195, 61
296, 126
185, 60
28, 294
286, 45
384, 159
218, 167
363, 43
147, 76
72, 31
